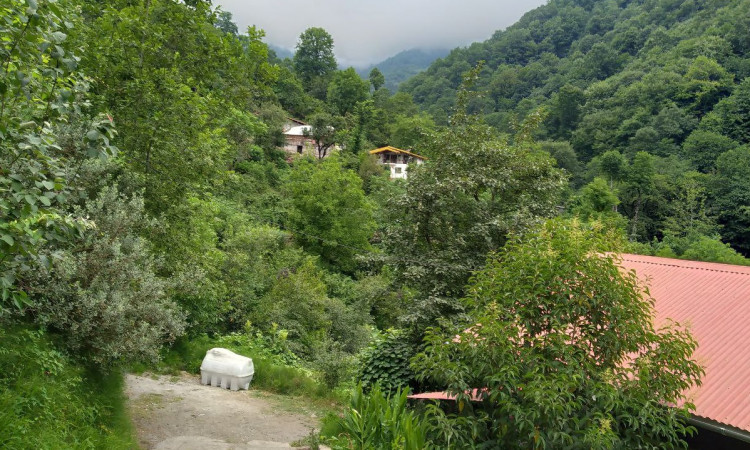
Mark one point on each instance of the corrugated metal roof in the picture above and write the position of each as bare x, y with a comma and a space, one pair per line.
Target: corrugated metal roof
714, 301
298, 130
395, 150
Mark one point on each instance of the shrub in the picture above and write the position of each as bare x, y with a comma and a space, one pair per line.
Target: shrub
104, 294
378, 421
386, 363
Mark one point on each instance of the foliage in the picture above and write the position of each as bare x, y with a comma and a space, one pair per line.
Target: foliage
379, 421
40, 88
731, 196
330, 214
104, 294
314, 61
46, 402
460, 205
596, 198
346, 90
563, 351
666, 78
377, 79
322, 130
170, 79
385, 362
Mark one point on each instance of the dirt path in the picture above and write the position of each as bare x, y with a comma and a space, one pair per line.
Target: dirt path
179, 413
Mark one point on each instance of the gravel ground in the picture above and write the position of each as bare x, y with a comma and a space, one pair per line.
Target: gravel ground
172, 413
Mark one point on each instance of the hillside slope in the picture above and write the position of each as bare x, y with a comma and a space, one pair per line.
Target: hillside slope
661, 87
613, 66
401, 67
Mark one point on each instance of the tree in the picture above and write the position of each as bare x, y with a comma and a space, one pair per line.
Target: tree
41, 91
330, 215
731, 116
703, 147
106, 288
167, 74
596, 198
346, 90
613, 165
410, 132
639, 189
563, 351
225, 23
565, 112
730, 193
461, 204
322, 130
377, 79
314, 61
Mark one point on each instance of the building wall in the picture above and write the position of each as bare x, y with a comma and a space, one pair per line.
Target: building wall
300, 145
398, 164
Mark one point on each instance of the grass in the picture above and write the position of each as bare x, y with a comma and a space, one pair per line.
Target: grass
47, 401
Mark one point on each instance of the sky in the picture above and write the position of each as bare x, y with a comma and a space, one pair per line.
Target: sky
369, 31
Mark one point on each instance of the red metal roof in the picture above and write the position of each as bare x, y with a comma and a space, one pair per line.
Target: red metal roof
714, 301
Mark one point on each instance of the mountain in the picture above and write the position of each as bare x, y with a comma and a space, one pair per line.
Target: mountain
651, 96
281, 52
404, 65
611, 73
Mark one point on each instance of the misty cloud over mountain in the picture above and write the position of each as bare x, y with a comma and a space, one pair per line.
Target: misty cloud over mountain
366, 32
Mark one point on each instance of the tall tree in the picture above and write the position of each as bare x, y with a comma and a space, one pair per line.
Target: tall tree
731, 197
314, 61
330, 214
473, 191
346, 90
225, 23
322, 130
377, 79
41, 90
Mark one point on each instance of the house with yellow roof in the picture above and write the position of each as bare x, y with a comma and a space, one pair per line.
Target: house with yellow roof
397, 160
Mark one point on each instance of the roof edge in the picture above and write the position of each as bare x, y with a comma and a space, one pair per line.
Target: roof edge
686, 264
396, 150
720, 428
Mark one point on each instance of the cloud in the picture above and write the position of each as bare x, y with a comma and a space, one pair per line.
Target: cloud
367, 31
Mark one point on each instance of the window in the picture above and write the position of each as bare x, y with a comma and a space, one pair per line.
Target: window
299, 149
398, 171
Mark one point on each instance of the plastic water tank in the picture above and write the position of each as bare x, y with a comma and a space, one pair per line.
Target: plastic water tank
227, 369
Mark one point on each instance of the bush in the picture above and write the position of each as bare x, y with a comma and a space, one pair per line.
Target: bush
377, 421
104, 294
386, 363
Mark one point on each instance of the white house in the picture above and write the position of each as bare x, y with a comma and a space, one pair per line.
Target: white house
397, 160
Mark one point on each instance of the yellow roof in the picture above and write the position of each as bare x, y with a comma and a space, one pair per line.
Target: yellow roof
395, 150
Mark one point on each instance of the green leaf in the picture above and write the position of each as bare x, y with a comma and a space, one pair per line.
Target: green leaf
8, 239
46, 201
58, 37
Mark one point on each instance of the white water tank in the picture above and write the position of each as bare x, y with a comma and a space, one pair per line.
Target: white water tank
227, 369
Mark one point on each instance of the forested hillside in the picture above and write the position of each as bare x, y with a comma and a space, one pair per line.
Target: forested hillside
401, 67
149, 212
651, 96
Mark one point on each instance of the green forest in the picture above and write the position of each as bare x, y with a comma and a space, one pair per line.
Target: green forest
148, 213
647, 108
